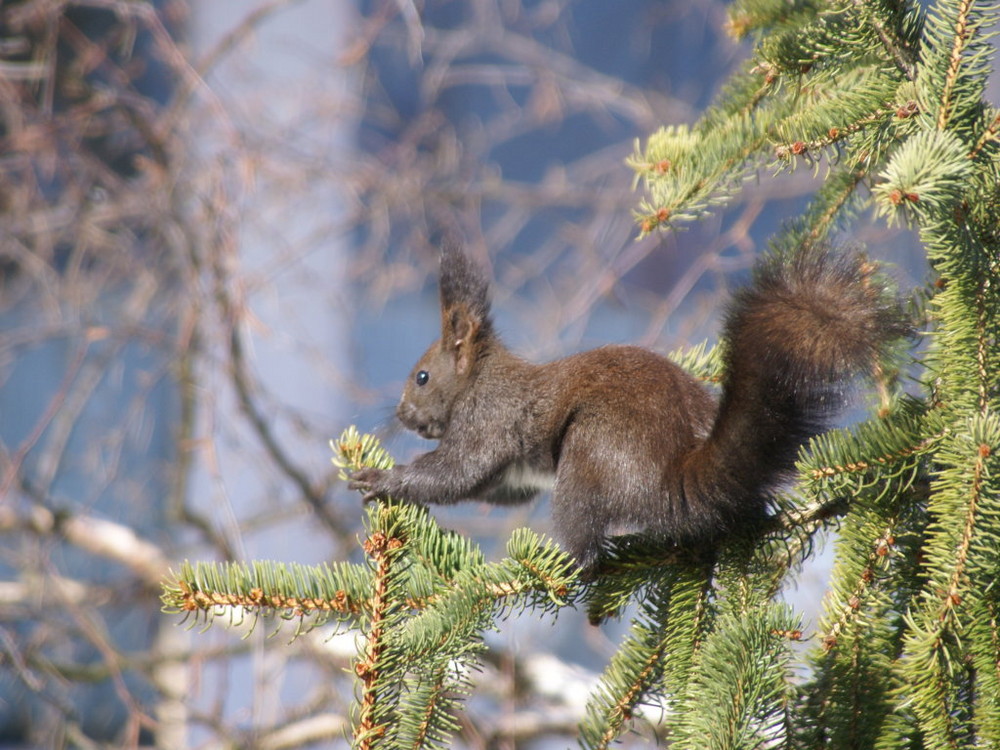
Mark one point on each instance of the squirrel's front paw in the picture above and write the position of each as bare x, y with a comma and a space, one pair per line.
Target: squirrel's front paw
372, 482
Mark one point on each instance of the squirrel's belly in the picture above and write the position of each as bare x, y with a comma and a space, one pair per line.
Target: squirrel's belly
521, 476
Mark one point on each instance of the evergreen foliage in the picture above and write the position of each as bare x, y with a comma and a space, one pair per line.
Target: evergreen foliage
886, 97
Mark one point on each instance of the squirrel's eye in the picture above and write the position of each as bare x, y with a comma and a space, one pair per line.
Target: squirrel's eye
422, 377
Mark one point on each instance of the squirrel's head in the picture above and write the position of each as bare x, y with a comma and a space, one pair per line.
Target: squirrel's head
448, 369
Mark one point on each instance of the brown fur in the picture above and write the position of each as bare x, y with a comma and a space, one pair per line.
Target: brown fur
626, 438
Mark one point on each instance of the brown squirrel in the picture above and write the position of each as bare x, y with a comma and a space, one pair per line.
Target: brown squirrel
623, 437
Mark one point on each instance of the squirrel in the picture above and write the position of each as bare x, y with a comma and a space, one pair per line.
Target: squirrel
625, 438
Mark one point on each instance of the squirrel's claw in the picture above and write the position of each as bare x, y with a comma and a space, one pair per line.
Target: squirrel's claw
366, 481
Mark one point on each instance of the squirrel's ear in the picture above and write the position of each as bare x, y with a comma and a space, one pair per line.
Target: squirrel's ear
461, 330
465, 307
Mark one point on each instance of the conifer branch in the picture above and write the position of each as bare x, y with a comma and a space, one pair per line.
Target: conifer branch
862, 465
769, 80
897, 48
983, 342
189, 600
852, 606
987, 668
959, 43
952, 595
820, 226
908, 432
989, 134
785, 151
621, 711
263, 589
690, 195
428, 713
808, 518
371, 727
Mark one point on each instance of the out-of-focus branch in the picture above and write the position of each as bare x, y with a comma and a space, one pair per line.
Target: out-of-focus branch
107, 539
230, 313
317, 728
313, 494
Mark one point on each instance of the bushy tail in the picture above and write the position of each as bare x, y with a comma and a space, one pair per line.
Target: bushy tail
810, 321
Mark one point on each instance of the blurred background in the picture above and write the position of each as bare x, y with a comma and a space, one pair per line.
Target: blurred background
218, 228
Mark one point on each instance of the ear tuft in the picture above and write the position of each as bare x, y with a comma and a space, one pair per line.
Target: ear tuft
465, 300
463, 283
